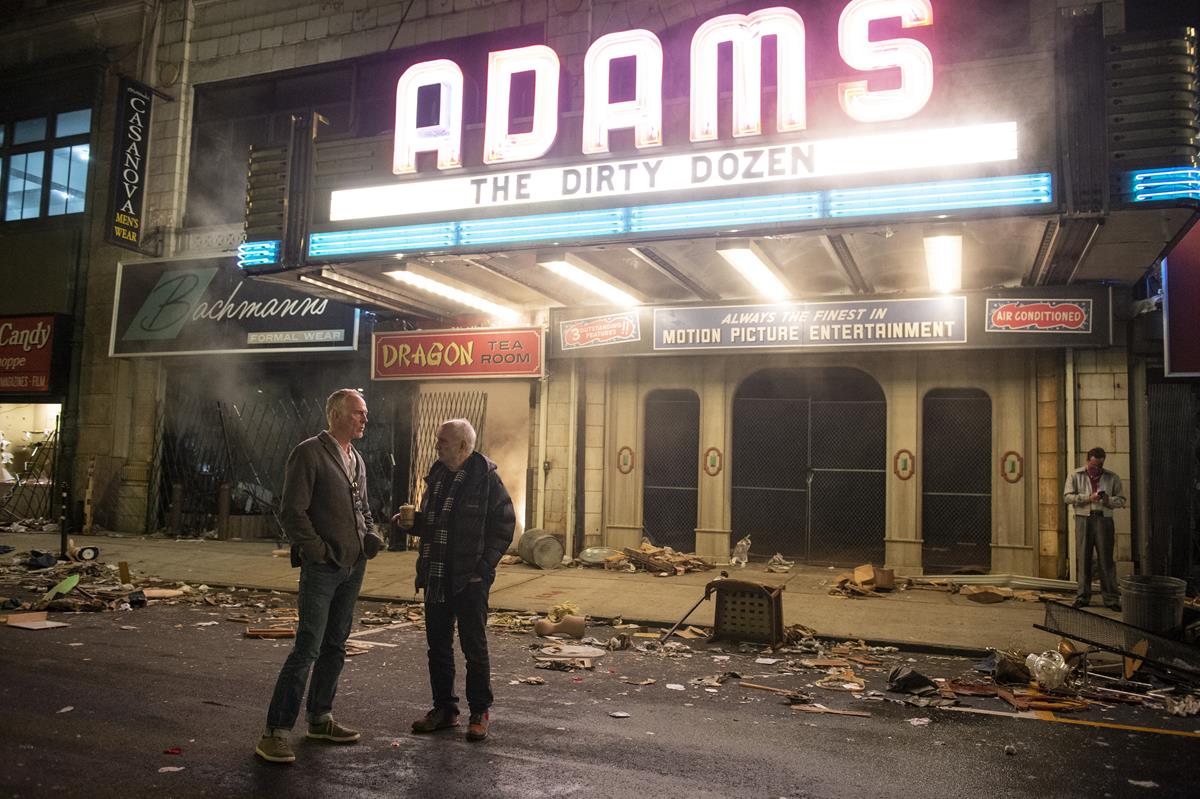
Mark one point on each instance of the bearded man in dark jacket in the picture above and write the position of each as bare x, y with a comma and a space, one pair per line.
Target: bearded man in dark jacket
465, 523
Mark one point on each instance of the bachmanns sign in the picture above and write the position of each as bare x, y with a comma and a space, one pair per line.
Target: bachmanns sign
777, 147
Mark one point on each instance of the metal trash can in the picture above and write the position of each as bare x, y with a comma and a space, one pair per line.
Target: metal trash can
539, 548
1153, 603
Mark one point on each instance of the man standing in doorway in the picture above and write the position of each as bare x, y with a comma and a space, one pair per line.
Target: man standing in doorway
466, 523
325, 515
1094, 491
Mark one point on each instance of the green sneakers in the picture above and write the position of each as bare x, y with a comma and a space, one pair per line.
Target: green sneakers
275, 749
274, 746
330, 730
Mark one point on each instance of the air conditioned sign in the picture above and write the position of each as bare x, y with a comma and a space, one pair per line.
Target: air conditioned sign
451, 354
1039, 316
205, 306
775, 151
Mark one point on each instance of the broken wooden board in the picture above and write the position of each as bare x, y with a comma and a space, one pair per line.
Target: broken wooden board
33, 621
1132, 664
825, 663
270, 632
162, 593
862, 660
986, 594
830, 711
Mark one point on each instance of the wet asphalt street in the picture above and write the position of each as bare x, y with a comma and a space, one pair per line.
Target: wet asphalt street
91, 709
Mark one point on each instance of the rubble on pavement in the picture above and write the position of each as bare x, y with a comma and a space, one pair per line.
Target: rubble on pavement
663, 561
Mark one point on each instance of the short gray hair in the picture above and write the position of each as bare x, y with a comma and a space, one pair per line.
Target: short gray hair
335, 400
465, 432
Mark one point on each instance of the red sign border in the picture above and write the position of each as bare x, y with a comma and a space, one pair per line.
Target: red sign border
461, 331
59, 360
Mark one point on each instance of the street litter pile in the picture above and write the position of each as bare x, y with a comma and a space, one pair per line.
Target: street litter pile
815, 676
866, 581
32, 525
662, 561
870, 581
35, 584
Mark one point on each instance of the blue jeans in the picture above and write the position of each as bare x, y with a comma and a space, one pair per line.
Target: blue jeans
470, 608
326, 607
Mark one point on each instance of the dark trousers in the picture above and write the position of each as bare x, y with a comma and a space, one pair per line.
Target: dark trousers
326, 604
1095, 532
469, 607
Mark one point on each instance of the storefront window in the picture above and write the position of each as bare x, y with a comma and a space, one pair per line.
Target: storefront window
73, 123
29, 130
24, 189
68, 179
25, 147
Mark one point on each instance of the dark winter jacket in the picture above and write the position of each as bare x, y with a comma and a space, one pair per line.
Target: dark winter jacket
481, 522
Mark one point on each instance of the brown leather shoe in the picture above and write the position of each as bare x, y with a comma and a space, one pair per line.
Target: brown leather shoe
434, 720
477, 727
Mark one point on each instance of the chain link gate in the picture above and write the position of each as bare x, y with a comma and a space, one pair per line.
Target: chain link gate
1174, 484
671, 478
429, 411
956, 480
32, 492
808, 465
210, 448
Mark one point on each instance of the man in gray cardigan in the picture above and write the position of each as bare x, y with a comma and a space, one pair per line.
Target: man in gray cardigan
325, 515
1094, 491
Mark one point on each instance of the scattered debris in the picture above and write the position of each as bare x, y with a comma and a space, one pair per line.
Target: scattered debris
619, 714
985, 594
779, 565
1009, 749
66, 709
714, 680
1049, 669
793, 696
741, 553
270, 632
33, 621
527, 681
169, 769
818, 708
633, 681
1182, 706
920, 722
841, 680
566, 625
664, 560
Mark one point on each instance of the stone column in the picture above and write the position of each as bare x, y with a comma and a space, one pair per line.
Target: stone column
902, 534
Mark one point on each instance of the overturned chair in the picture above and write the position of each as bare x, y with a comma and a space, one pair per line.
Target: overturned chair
745, 611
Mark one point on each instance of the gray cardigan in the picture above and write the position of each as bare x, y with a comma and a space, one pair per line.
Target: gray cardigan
318, 509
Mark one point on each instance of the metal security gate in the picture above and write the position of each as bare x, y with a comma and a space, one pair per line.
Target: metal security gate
1174, 472
808, 465
429, 411
233, 451
669, 492
956, 481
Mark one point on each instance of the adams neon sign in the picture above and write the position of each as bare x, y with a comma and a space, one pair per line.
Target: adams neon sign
642, 113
